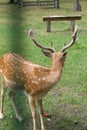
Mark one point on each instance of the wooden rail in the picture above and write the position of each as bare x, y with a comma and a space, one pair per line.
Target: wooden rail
54, 3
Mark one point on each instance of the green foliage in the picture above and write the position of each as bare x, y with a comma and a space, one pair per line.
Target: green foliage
67, 102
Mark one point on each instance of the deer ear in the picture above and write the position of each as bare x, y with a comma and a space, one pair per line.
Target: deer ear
46, 53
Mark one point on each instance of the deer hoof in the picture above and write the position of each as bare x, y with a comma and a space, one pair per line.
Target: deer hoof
46, 115
1, 115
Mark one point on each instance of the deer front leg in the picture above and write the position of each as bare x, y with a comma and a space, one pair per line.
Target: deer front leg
33, 110
41, 114
2, 99
11, 95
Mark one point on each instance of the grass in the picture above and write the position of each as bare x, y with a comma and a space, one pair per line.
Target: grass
67, 101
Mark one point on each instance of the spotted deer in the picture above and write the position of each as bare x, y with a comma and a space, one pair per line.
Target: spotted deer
20, 74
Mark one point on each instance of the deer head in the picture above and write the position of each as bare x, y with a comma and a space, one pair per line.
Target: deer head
57, 57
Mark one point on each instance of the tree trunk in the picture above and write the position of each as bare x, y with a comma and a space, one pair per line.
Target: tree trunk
77, 6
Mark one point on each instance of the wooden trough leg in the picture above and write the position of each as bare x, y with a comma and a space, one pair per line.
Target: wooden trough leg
48, 26
72, 25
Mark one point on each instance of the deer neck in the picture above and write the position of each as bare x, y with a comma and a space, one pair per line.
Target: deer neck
56, 71
57, 66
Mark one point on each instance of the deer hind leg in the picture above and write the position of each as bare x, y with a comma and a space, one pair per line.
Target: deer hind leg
33, 110
41, 114
2, 99
11, 95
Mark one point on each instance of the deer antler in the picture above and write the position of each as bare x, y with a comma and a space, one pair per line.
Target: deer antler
51, 49
74, 40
